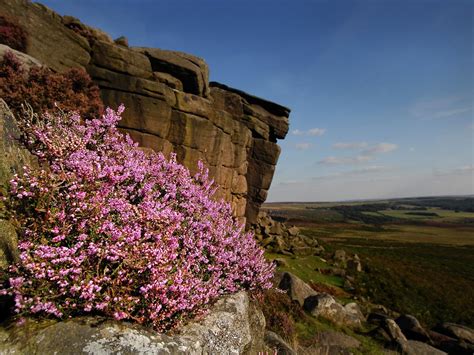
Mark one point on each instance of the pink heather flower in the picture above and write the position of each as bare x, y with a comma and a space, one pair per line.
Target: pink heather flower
110, 229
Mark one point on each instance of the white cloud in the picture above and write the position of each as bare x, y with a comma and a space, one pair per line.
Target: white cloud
365, 156
310, 132
350, 145
412, 149
360, 159
364, 171
381, 148
303, 146
442, 107
316, 131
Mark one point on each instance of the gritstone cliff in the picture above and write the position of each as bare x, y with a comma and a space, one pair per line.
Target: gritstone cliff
170, 104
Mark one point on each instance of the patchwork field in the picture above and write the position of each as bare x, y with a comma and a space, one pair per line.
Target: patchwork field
418, 254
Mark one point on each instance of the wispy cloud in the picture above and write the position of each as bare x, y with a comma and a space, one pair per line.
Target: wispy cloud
453, 112
380, 148
310, 132
350, 145
461, 170
366, 155
442, 107
360, 159
367, 170
303, 146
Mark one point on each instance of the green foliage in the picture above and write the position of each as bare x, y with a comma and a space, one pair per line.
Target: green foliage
434, 283
306, 268
43, 89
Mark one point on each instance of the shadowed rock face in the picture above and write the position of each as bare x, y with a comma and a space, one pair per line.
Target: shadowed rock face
170, 104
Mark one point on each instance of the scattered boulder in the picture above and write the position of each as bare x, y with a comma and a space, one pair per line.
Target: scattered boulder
457, 331
339, 256
121, 41
354, 265
232, 326
296, 288
414, 347
276, 237
449, 344
394, 332
354, 313
331, 338
377, 318
277, 344
412, 328
325, 306
331, 343
293, 231
409, 347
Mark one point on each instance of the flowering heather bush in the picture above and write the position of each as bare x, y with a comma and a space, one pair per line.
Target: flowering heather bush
12, 34
110, 229
43, 89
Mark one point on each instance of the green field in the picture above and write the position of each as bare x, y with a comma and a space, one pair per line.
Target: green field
418, 259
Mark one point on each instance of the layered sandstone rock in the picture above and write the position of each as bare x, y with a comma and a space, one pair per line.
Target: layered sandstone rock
170, 104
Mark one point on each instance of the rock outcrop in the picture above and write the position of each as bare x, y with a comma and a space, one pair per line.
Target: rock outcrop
12, 159
232, 326
170, 104
276, 237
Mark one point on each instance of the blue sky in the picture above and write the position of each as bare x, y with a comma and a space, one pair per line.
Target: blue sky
381, 92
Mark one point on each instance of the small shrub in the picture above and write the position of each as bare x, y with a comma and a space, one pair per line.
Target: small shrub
12, 34
109, 229
43, 89
281, 313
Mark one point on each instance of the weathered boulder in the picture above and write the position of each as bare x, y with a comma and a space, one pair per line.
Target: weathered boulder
296, 288
331, 343
400, 342
449, 344
294, 231
412, 328
325, 306
232, 326
339, 256
457, 331
354, 265
414, 347
394, 332
121, 41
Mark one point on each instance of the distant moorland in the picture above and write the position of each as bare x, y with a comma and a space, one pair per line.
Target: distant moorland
418, 252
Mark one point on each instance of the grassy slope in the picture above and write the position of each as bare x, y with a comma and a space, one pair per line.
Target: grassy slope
305, 326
